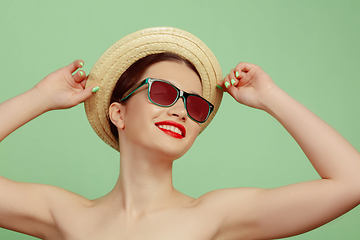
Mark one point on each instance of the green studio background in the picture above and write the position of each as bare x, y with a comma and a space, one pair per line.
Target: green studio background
310, 48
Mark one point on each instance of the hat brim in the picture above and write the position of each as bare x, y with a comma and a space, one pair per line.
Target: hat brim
120, 56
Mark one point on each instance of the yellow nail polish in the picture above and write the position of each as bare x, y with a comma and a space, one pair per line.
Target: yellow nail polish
81, 73
232, 82
81, 64
227, 84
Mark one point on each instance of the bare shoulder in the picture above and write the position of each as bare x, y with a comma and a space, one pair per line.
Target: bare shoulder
225, 193
220, 202
220, 199
223, 203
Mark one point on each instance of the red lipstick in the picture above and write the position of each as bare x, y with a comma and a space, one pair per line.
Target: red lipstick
169, 132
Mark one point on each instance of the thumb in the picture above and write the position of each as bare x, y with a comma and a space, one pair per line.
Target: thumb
232, 90
83, 95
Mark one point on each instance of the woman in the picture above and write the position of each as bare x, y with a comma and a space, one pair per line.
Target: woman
152, 132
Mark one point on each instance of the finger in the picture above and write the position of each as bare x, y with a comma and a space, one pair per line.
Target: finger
79, 76
246, 72
245, 78
83, 82
230, 83
232, 76
226, 83
80, 97
232, 90
239, 74
72, 67
221, 84
244, 67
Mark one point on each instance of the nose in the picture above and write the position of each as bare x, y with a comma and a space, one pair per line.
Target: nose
178, 110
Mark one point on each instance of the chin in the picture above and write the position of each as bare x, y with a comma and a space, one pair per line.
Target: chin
172, 151
173, 154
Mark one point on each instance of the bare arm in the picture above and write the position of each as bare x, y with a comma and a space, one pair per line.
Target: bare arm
25, 207
297, 208
58, 90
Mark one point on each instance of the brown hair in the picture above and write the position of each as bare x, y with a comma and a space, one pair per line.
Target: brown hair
132, 75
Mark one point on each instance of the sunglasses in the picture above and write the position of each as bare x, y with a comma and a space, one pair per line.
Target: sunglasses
164, 94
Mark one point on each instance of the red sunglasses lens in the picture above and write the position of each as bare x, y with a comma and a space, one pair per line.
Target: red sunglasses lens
162, 93
197, 108
165, 95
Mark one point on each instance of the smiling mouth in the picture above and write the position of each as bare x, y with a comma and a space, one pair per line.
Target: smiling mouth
172, 129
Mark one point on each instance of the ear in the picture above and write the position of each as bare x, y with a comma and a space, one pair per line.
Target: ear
116, 113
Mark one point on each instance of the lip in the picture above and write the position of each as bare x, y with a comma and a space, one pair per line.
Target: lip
175, 124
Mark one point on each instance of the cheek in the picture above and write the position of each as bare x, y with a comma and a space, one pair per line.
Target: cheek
194, 130
141, 112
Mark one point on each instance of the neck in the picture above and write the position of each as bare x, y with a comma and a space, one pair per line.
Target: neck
144, 183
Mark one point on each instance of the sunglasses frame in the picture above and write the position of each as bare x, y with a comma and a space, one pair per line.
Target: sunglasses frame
180, 94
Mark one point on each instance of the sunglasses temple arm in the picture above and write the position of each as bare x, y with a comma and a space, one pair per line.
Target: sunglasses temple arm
143, 83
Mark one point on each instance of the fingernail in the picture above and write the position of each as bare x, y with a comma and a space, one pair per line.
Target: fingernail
227, 84
219, 87
81, 73
81, 64
237, 74
95, 89
232, 82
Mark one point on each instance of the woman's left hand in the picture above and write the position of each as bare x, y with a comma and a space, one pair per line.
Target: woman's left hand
248, 84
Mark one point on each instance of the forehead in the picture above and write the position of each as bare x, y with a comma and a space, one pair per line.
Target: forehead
177, 73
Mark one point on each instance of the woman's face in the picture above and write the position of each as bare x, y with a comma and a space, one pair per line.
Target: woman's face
156, 128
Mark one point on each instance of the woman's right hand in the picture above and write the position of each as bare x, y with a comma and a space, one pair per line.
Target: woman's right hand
248, 84
62, 89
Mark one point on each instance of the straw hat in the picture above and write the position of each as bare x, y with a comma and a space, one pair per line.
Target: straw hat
120, 56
